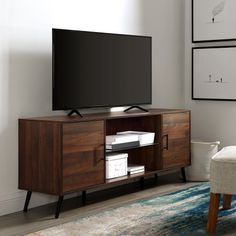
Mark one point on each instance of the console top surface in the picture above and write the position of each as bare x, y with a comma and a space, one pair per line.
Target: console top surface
106, 115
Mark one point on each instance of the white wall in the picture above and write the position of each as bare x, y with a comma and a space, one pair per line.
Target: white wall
164, 20
211, 120
25, 63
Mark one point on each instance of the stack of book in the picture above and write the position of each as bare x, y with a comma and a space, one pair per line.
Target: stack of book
144, 137
135, 169
119, 141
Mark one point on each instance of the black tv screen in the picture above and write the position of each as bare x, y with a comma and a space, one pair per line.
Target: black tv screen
93, 69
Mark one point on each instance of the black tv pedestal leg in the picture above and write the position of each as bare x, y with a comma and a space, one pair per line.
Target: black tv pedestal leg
138, 107
27, 200
74, 111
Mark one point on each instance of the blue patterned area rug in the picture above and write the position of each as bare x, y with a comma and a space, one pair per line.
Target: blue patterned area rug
179, 213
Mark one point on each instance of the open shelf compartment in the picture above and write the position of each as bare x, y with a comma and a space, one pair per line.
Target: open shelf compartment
148, 155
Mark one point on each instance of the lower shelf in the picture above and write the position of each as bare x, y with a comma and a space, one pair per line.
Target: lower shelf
139, 175
128, 177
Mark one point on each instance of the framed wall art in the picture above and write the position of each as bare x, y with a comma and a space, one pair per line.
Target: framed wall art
214, 73
213, 20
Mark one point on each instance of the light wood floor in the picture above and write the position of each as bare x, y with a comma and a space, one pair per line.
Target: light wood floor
43, 217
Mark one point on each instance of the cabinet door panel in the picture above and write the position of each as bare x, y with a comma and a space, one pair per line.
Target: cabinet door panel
40, 156
176, 139
83, 155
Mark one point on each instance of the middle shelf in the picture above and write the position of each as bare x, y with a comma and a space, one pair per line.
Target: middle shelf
132, 147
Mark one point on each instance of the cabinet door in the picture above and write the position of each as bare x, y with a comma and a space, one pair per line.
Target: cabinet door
176, 140
83, 155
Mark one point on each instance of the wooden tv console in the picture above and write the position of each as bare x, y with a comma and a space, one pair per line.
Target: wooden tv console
61, 155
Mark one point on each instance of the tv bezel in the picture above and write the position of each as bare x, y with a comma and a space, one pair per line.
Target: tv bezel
55, 108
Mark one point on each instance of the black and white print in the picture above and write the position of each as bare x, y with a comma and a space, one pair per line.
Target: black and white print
214, 20
214, 73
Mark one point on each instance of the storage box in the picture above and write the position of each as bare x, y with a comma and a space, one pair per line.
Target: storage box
121, 138
144, 137
201, 154
116, 165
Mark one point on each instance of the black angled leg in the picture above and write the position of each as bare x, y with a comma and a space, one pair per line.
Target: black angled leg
156, 178
59, 203
27, 200
83, 197
183, 174
142, 182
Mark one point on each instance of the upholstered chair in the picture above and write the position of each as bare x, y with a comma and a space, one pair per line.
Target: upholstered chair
222, 181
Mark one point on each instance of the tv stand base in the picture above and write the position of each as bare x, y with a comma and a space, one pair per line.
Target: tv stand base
67, 154
76, 112
138, 107
84, 194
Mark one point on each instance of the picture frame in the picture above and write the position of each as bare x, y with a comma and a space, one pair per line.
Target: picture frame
212, 20
214, 73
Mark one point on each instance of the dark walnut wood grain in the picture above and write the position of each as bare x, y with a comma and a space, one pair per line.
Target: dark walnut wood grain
176, 140
83, 155
40, 156
60, 155
148, 156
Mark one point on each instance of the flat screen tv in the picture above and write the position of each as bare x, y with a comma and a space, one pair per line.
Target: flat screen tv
93, 69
